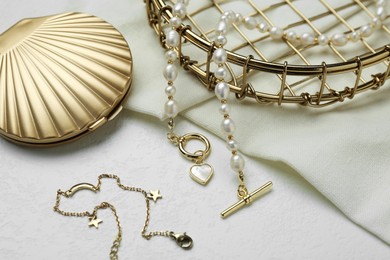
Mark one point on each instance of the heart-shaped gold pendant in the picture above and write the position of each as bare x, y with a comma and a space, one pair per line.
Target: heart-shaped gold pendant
201, 173
61, 77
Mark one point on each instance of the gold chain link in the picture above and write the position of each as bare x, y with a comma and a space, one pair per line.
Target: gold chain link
172, 137
242, 191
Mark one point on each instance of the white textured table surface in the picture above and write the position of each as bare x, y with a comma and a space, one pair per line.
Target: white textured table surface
292, 222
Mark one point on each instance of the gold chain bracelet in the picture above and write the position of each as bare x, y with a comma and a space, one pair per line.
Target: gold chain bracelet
183, 240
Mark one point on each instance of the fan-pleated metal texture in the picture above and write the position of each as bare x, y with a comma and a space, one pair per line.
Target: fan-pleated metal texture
60, 75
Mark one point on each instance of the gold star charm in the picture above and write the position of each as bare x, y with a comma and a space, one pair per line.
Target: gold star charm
94, 221
154, 195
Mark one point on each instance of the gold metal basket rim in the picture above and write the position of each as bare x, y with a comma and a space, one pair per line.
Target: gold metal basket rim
159, 12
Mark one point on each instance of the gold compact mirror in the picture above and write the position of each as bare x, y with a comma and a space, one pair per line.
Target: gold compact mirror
61, 77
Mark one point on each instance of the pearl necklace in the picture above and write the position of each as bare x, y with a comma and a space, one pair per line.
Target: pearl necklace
228, 127
179, 11
306, 38
222, 90
200, 172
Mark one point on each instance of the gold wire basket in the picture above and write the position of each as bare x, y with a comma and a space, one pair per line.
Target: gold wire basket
370, 69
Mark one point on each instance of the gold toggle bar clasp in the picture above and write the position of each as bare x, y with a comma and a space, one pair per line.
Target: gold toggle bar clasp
247, 200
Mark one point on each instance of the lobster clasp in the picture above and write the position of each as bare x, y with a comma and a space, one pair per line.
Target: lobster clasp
183, 240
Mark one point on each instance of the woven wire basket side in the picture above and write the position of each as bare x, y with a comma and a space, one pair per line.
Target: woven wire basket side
365, 65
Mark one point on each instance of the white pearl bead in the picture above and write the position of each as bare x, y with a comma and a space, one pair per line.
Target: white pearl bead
250, 22
221, 28
173, 38
263, 27
339, 39
170, 55
323, 40
228, 126
221, 73
231, 16
170, 72
291, 36
224, 109
365, 30
220, 40
225, 18
239, 19
276, 32
220, 56
222, 90
170, 90
381, 3
171, 108
307, 38
185, 2
376, 23
232, 145
180, 10
237, 163
175, 22
381, 13
354, 36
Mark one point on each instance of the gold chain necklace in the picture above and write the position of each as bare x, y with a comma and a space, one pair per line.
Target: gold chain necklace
183, 240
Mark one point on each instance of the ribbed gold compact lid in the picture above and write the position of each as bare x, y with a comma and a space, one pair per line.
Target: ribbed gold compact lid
61, 77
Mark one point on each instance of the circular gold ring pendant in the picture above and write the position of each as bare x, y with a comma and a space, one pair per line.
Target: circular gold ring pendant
198, 155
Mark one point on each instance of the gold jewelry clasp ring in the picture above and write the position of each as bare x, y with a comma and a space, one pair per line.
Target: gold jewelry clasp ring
182, 240
198, 155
